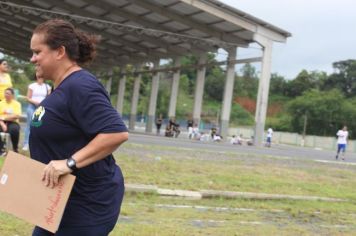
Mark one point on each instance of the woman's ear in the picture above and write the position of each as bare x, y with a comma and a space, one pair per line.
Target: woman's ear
61, 52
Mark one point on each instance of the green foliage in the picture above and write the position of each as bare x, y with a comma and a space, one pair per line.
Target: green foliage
163, 96
21, 73
278, 85
282, 122
115, 80
249, 71
240, 116
211, 112
312, 93
247, 84
319, 78
214, 89
303, 82
326, 112
184, 83
344, 78
329, 101
189, 72
185, 101
215, 84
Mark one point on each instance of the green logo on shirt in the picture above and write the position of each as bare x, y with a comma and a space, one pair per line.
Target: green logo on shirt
37, 116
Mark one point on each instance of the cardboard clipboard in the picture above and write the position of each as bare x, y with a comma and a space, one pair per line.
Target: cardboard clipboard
23, 194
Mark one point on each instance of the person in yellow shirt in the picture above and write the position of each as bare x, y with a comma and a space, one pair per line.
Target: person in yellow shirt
5, 79
10, 111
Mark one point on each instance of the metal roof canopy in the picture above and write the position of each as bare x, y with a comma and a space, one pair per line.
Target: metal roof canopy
137, 31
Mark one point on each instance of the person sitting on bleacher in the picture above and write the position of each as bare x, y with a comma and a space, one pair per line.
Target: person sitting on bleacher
10, 111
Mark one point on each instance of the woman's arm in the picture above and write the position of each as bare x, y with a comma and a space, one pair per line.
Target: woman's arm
48, 89
3, 126
10, 117
29, 97
101, 146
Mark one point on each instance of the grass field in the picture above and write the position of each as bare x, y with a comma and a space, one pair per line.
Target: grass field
200, 169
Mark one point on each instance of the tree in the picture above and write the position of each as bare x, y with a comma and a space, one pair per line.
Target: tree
303, 82
191, 72
247, 84
277, 85
249, 71
183, 83
344, 78
215, 84
21, 73
318, 78
326, 112
163, 98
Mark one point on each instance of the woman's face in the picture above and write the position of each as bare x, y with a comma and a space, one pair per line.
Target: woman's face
4, 67
43, 57
8, 96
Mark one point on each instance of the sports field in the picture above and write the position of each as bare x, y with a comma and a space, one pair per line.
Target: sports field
181, 164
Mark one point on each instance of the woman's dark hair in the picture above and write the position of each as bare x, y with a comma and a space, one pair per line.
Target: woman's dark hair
80, 46
11, 91
34, 77
2, 60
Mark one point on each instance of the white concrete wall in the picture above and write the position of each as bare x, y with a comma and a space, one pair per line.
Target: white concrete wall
328, 143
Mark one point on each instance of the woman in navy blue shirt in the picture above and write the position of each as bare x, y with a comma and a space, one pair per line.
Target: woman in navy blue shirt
75, 130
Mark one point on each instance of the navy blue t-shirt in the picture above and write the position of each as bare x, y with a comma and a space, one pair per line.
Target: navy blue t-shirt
66, 121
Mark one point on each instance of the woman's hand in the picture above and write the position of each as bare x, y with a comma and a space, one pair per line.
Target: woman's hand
53, 171
3, 126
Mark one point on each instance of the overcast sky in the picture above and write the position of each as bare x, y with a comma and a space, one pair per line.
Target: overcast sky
323, 31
